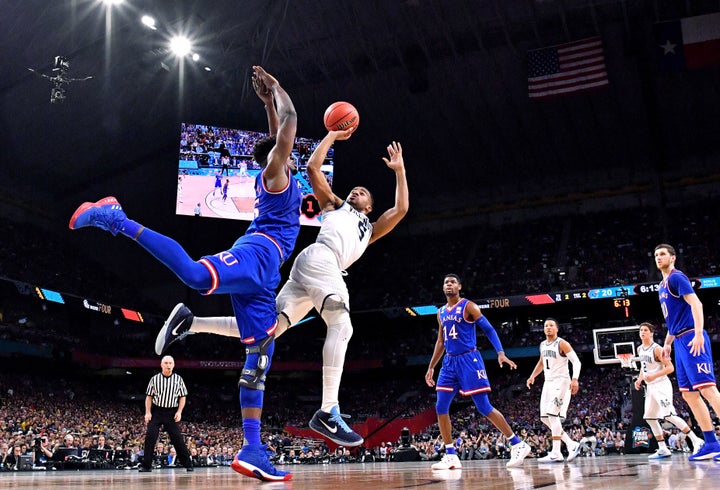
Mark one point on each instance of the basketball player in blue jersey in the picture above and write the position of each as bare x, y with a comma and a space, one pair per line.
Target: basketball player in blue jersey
248, 271
316, 280
463, 371
683, 314
218, 182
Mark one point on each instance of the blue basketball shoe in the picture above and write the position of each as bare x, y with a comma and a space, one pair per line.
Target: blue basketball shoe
106, 214
332, 426
252, 461
709, 450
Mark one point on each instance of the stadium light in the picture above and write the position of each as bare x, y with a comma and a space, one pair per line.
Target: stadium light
180, 45
149, 22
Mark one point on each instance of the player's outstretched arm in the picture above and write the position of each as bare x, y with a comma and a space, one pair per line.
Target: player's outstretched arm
276, 175
390, 218
324, 194
267, 97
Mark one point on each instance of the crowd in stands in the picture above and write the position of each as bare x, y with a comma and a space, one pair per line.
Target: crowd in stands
88, 408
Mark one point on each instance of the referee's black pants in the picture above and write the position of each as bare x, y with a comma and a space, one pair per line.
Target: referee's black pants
164, 417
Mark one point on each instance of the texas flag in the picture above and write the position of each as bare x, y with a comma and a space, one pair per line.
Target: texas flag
692, 42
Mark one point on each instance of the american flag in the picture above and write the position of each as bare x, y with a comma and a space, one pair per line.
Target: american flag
566, 68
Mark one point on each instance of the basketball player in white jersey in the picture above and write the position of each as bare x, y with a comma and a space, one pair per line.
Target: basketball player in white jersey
654, 370
316, 280
557, 390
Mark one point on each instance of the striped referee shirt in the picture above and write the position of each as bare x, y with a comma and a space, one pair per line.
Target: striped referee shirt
166, 390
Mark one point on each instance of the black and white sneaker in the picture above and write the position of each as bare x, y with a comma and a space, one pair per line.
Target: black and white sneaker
176, 327
332, 426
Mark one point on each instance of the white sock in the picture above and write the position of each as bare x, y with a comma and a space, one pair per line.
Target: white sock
334, 349
567, 440
331, 387
218, 325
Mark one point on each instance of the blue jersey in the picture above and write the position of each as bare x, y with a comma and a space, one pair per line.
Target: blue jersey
458, 333
218, 180
677, 313
277, 214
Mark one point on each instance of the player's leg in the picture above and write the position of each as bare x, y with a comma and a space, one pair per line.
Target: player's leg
107, 214
693, 373
252, 459
474, 382
659, 404
446, 389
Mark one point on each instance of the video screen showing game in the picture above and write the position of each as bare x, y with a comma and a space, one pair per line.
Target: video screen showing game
216, 173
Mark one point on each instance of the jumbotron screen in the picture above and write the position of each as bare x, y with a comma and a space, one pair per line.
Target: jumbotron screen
216, 173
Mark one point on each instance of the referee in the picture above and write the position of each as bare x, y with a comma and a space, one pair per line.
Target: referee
164, 404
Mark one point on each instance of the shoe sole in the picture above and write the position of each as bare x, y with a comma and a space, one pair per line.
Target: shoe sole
337, 441
663, 456
89, 205
705, 457
551, 461
252, 471
445, 469
160, 344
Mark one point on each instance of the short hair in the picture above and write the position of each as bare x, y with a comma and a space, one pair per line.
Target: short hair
669, 248
551, 319
457, 278
262, 149
650, 326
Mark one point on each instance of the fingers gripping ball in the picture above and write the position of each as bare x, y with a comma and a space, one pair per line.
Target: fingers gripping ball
340, 116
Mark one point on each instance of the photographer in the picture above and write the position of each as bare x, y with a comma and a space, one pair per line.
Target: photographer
43, 451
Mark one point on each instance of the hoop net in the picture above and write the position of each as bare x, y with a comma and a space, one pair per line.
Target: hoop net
625, 360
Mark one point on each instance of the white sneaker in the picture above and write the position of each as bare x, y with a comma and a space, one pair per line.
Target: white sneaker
573, 452
517, 454
660, 454
448, 462
552, 458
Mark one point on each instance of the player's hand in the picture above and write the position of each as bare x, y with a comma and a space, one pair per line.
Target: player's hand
667, 350
574, 386
503, 359
264, 79
344, 134
429, 377
530, 382
697, 345
262, 91
395, 162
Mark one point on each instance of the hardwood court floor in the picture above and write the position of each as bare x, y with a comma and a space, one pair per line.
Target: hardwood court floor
608, 473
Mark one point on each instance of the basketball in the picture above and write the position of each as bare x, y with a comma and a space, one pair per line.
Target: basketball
340, 116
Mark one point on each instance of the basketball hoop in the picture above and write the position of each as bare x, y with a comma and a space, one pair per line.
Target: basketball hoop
626, 360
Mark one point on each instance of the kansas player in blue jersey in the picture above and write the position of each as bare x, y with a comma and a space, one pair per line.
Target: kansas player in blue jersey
463, 371
248, 271
683, 314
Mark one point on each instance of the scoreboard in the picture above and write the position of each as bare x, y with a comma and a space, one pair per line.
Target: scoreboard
621, 296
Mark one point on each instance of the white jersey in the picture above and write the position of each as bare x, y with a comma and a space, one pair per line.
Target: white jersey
555, 365
649, 364
346, 232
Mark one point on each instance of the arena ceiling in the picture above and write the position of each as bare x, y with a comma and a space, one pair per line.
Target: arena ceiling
446, 78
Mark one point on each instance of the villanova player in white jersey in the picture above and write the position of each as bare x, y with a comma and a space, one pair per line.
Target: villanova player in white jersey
463, 371
654, 370
316, 280
555, 354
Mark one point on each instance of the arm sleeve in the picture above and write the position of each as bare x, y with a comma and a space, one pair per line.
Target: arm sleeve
575, 360
490, 333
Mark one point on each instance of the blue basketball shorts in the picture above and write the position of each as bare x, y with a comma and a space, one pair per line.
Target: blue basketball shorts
250, 273
693, 372
464, 373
